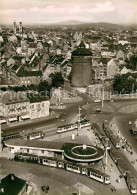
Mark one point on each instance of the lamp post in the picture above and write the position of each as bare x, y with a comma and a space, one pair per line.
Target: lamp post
0, 141
106, 157
103, 97
79, 119
59, 97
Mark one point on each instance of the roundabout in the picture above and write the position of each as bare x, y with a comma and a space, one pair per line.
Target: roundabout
82, 153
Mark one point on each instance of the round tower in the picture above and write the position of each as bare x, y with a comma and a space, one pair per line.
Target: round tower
81, 66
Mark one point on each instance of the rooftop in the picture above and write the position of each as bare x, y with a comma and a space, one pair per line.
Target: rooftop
36, 98
24, 73
13, 98
81, 50
12, 185
35, 144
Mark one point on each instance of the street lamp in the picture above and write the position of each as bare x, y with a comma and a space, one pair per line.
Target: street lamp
79, 120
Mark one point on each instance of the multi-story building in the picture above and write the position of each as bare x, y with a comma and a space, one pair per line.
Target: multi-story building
14, 107
17, 107
26, 77
39, 106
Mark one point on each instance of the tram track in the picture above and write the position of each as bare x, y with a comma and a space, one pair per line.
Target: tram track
131, 168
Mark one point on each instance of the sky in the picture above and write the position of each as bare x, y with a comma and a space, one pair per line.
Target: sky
52, 11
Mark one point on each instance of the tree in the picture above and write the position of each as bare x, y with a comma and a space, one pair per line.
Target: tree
3, 89
124, 83
57, 79
33, 87
131, 63
44, 88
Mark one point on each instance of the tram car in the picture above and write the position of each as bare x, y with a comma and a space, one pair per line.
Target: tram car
106, 142
84, 123
34, 135
10, 136
70, 127
114, 154
115, 141
109, 132
98, 175
65, 128
131, 183
122, 167
98, 132
26, 157
66, 165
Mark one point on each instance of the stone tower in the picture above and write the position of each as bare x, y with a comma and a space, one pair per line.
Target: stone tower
20, 27
81, 66
14, 27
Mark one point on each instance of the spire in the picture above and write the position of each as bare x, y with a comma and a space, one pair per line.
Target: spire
82, 45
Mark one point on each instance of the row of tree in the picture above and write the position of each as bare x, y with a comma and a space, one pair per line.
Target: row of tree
125, 83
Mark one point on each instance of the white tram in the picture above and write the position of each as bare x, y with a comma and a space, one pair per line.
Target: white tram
65, 128
70, 127
99, 176
85, 123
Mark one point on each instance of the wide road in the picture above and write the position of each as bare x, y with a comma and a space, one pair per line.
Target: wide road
109, 111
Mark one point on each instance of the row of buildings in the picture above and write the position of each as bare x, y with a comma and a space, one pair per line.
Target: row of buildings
21, 106
29, 57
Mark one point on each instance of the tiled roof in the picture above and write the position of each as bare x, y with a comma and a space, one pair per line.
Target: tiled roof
81, 50
12, 185
24, 73
13, 98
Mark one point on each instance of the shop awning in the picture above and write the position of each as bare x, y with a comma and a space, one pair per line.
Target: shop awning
12, 119
25, 117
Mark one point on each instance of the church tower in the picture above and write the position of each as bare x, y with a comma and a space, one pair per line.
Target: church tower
14, 27
20, 27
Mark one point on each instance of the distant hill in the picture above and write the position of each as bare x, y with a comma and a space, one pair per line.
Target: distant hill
69, 22
96, 25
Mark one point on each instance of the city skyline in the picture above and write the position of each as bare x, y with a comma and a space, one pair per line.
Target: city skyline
53, 11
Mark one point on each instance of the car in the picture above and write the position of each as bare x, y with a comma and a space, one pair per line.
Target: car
111, 100
97, 101
130, 122
98, 110
62, 120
